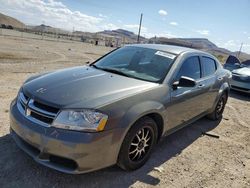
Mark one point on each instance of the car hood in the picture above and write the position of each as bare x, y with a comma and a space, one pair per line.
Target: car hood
242, 71
82, 87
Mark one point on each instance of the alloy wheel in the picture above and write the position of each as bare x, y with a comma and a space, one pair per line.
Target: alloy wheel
220, 106
140, 144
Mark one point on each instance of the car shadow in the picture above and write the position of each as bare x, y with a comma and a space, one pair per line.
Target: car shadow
239, 95
18, 170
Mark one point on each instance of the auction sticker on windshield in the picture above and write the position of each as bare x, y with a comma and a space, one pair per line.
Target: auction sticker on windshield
165, 54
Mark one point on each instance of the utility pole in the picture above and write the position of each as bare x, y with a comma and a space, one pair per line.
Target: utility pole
72, 35
43, 28
22, 31
139, 32
240, 50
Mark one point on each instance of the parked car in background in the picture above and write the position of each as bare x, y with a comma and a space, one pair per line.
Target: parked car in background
3, 26
246, 63
116, 109
9, 27
6, 26
240, 74
241, 79
232, 63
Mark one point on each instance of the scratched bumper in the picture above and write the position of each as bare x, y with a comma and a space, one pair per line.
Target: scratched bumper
66, 151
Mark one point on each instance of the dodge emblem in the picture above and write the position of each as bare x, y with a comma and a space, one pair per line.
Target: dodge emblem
41, 90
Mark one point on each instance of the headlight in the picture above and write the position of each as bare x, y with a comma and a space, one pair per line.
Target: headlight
82, 120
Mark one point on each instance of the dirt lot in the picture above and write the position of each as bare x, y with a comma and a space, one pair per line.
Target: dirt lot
184, 159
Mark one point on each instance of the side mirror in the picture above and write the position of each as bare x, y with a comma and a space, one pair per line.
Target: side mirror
184, 82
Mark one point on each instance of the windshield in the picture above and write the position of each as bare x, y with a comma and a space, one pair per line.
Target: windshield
136, 62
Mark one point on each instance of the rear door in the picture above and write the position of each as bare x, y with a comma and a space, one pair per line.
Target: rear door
209, 80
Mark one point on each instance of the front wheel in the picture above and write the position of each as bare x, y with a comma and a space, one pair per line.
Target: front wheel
219, 108
138, 144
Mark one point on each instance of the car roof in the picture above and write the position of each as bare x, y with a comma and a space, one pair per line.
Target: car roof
168, 48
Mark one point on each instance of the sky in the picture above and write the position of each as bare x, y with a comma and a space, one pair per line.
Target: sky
224, 22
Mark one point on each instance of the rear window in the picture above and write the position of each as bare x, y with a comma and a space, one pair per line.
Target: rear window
208, 66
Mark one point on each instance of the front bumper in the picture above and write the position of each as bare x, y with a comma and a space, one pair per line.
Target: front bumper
66, 151
240, 86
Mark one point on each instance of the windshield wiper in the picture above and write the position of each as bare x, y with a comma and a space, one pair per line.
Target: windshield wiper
114, 71
93, 65
109, 70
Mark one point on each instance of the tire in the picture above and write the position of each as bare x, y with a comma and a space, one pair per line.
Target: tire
219, 108
136, 148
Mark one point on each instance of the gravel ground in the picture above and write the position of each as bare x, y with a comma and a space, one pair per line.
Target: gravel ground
186, 158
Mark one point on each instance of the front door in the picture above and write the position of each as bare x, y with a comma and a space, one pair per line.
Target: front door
187, 102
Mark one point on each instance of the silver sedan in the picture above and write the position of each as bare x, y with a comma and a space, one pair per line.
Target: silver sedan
116, 109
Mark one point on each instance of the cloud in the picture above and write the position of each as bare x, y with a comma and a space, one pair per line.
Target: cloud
174, 23
109, 26
102, 16
53, 13
234, 45
168, 35
203, 32
135, 27
230, 43
162, 12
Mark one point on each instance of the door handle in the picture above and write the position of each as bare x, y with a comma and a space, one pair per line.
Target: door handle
220, 78
201, 85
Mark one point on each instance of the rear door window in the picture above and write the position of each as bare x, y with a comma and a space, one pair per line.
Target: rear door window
208, 66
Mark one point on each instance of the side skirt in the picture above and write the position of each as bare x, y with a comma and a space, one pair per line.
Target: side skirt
173, 130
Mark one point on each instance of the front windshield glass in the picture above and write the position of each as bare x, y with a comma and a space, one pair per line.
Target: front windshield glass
136, 62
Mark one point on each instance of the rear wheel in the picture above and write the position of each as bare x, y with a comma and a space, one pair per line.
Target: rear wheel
138, 144
219, 109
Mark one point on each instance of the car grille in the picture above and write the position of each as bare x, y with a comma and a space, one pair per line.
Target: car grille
240, 78
36, 111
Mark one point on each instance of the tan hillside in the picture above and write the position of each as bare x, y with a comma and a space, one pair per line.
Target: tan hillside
7, 20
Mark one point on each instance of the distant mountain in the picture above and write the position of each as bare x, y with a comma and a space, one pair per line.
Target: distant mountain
43, 27
46, 28
7, 20
127, 37
242, 55
121, 33
82, 33
201, 44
